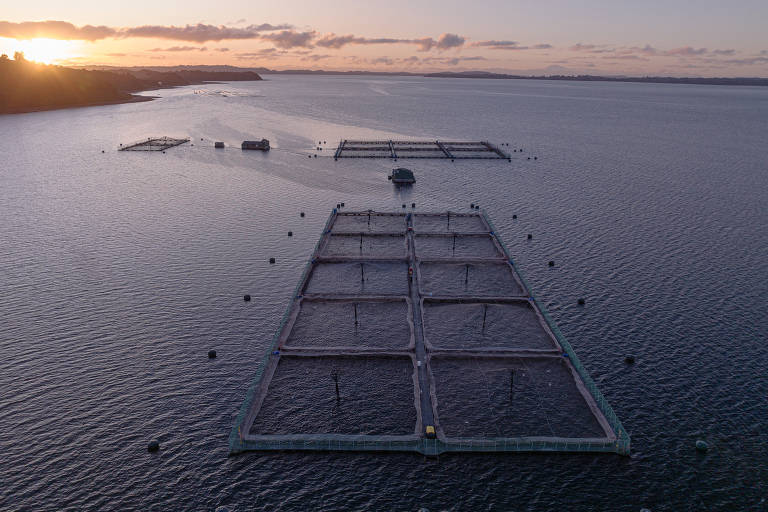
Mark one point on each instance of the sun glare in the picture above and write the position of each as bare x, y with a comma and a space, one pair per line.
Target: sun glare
46, 51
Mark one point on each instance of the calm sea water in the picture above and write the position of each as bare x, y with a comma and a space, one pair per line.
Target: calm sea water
119, 271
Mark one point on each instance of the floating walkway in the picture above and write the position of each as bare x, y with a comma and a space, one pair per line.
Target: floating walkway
153, 144
417, 332
395, 149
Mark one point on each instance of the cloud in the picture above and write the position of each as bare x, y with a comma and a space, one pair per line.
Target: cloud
262, 54
116, 54
626, 57
748, 61
686, 51
448, 41
578, 47
199, 33
382, 60
444, 42
335, 41
723, 52
509, 45
180, 49
315, 57
54, 30
221, 49
290, 39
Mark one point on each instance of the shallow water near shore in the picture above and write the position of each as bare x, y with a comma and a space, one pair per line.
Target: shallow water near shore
119, 271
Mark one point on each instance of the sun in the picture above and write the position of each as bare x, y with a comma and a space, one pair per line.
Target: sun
46, 51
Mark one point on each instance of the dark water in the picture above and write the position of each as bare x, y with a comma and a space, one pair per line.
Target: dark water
119, 271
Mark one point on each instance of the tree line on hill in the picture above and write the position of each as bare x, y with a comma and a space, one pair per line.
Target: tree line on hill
27, 86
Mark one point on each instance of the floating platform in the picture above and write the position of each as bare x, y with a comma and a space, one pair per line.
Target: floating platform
417, 332
395, 149
153, 144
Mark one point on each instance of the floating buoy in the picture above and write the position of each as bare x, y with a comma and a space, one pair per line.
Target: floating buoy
530, 236
529, 158
535, 158
514, 216
271, 260
403, 205
629, 359
309, 156
316, 157
413, 205
301, 214
102, 150
551, 263
701, 446
290, 233
247, 298
211, 354
581, 302
153, 446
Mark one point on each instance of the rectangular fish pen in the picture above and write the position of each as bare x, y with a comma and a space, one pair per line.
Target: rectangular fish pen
153, 144
417, 332
395, 149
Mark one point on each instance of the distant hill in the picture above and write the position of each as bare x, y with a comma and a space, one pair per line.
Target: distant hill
595, 78
28, 86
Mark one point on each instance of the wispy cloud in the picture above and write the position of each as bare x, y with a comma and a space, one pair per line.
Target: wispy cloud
509, 45
443, 42
180, 49
54, 30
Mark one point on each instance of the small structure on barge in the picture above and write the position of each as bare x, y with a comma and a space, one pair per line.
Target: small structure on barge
402, 176
260, 145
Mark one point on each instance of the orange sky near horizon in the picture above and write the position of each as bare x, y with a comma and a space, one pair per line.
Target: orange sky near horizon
661, 38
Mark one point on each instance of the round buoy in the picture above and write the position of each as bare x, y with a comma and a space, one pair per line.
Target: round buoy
247, 298
211, 354
102, 150
581, 302
529, 158
309, 156
702, 446
403, 205
316, 157
153, 446
551, 263
271, 260
201, 138
301, 214
629, 359
535, 158
290, 233
514, 217
530, 236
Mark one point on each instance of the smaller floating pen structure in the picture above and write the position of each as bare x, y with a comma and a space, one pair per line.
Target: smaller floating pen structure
395, 149
153, 144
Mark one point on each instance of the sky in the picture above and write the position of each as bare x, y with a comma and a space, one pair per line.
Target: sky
610, 37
